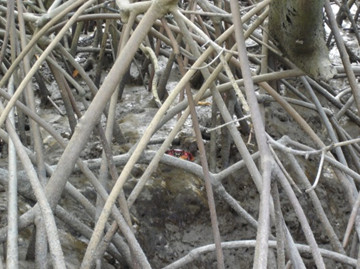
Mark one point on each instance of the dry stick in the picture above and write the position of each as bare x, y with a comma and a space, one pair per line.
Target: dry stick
233, 203
334, 240
107, 155
155, 159
78, 226
35, 38
352, 21
346, 184
203, 13
87, 17
157, 8
168, 68
103, 245
262, 78
267, 162
350, 141
302, 219
111, 122
343, 136
236, 88
91, 210
209, 191
231, 99
30, 17
30, 100
51, 13
160, 152
305, 104
227, 117
345, 107
120, 222
181, 84
27, 218
329, 159
204, 164
100, 56
103, 173
283, 169
37, 64
331, 131
195, 253
206, 74
64, 73
41, 248
313, 135
149, 53
227, 86
119, 137
107, 160
335, 102
280, 235
213, 147
53, 237
352, 218
64, 96
264, 64
75, 38
344, 56
9, 20
12, 255
326, 121
295, 258
265, 217
187, 166
128, 234
152, 52
328, 228
195, 169
293, 252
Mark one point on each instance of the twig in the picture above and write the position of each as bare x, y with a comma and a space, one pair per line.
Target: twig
302, 219
12, 254
344, 56
195, 253
318, 175
53, 237
36, 66
261, 249
352, 218
209, 130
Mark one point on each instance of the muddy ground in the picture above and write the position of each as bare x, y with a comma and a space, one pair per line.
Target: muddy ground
171, 216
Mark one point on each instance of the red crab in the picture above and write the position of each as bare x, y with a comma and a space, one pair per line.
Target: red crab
179, 153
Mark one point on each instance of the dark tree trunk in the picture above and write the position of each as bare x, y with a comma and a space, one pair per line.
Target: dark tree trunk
297, 27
